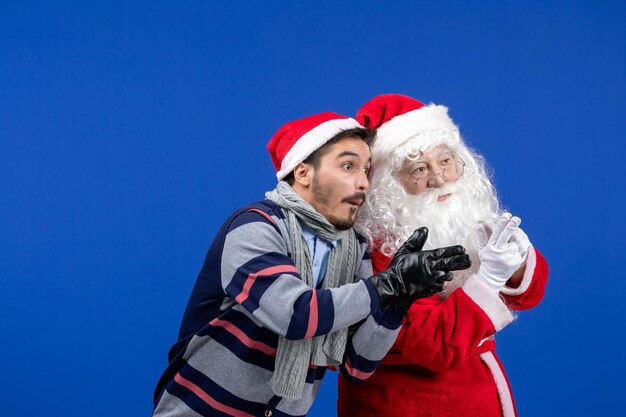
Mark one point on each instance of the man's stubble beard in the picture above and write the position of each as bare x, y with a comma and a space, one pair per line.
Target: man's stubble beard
321, 197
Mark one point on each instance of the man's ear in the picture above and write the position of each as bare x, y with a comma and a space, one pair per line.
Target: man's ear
302, 174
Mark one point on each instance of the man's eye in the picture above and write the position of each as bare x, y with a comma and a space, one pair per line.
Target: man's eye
446, 161
366, 170
347, 166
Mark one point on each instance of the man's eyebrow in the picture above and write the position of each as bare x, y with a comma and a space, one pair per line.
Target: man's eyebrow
354, 154
348, 153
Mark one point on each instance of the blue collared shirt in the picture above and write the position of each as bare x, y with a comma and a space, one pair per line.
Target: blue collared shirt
319, 250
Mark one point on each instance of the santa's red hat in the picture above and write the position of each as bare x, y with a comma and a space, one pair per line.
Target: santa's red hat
399, 118
297, 140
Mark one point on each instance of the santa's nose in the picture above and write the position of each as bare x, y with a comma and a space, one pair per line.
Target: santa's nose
436, 179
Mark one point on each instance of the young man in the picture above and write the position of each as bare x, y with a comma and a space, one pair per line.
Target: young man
286, 277
443, 362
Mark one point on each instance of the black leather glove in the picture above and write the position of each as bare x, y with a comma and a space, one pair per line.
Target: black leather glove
415, 273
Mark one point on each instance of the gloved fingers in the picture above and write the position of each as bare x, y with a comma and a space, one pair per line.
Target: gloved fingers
447, 251
435, 288
415, 243
497, 254
439, 275
521, 239
508, 232
483, 231
451, 263
501, 223
447, 276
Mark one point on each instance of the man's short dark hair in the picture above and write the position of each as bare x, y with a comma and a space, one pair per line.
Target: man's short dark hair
363, 133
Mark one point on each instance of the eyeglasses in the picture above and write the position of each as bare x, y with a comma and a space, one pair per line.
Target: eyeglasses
450, 168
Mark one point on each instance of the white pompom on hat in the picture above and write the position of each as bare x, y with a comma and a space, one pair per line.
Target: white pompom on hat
398, 118
297, 140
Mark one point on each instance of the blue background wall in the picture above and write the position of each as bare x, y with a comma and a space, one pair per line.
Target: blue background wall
129, 130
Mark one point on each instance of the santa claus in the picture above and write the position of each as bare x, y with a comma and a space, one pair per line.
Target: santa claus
444, 361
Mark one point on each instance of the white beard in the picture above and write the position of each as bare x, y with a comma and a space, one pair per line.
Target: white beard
449, 222
390, 215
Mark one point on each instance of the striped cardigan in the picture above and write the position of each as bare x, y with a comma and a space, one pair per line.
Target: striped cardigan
246, 295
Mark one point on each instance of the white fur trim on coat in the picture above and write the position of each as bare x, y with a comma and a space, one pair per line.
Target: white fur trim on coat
504, 391
489, 301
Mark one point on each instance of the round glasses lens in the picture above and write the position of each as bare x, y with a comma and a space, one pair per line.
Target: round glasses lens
454, 171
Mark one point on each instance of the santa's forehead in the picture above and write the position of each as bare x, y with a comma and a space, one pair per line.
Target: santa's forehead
425, 142
429, 151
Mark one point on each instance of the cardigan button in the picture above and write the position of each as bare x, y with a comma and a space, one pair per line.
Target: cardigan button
268, 413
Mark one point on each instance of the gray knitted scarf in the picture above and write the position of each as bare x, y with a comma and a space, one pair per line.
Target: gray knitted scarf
293, 357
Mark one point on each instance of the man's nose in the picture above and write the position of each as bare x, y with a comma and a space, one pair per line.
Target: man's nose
363, 181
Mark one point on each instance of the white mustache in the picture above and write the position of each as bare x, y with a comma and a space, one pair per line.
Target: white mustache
429, 197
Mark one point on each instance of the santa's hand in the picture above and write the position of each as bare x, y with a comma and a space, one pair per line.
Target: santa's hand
500, 257
523, 243
483, 233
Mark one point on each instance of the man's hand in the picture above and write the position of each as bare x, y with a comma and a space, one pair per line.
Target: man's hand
415, 273
498, 254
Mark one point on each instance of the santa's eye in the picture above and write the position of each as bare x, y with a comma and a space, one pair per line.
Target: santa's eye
419, 171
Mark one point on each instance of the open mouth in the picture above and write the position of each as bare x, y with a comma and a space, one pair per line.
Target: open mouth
355, 200
355, 203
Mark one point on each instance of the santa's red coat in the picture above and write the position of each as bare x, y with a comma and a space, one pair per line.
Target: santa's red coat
443, 362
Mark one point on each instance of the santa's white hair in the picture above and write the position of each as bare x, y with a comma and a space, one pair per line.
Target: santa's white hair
390, 215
